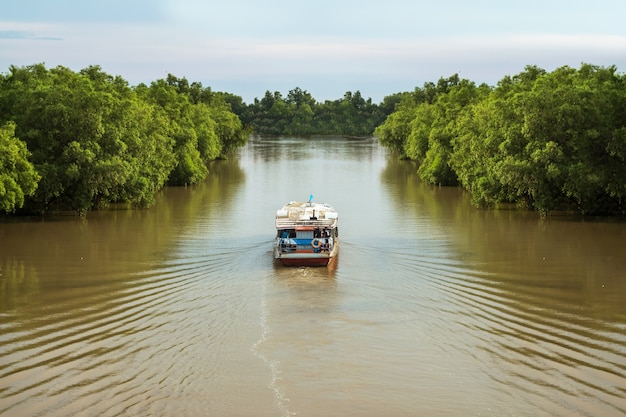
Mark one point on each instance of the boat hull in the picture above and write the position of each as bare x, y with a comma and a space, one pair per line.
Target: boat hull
313, 262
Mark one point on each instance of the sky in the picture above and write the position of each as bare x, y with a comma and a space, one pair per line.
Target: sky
326, 47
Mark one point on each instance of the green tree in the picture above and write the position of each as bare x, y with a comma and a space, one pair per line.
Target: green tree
96, 141
299, 97
416, 144
301, 114
59, 115
18, 178
299, 104
190, 167
134, 132
92, 140
228, 129
548, 141
455, 97
571, 119
393, 133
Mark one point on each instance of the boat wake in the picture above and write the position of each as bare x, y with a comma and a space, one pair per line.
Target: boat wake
280, 399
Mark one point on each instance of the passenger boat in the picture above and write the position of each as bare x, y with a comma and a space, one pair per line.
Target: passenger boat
306, 234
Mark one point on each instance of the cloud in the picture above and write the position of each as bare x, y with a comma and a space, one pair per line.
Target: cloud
319, 55
16, 34
83, 11
247, 65
29, 31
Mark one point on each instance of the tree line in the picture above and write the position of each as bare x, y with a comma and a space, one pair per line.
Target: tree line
84, 140
541, 140
299, 114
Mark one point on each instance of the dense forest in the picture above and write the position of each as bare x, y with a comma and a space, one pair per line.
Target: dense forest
299, 114
84, 140
542, 140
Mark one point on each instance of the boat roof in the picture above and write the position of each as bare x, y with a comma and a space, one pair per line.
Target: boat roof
306, 214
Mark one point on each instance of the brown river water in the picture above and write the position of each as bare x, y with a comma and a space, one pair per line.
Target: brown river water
433, 307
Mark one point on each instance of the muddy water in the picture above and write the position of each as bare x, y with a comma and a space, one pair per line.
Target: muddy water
432, 308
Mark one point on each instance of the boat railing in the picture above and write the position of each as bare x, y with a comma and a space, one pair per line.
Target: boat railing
286, 223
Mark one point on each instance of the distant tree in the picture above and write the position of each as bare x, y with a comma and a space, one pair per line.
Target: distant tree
396, 129
300, 114
235, 102
390, 102
298, 97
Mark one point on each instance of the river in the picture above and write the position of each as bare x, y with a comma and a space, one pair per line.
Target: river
433, 307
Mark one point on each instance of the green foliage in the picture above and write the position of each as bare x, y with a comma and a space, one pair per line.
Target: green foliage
171, 96
299, 114
95, 140
393, 133
83, 140
228, 129
18, 177
547, 141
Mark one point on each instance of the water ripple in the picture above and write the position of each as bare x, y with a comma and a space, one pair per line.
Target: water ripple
94, 345
505, 325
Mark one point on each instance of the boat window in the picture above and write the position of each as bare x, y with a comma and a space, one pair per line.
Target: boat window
286, 233
305, 234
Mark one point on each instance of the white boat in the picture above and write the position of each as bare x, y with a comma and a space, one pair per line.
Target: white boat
306, 234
